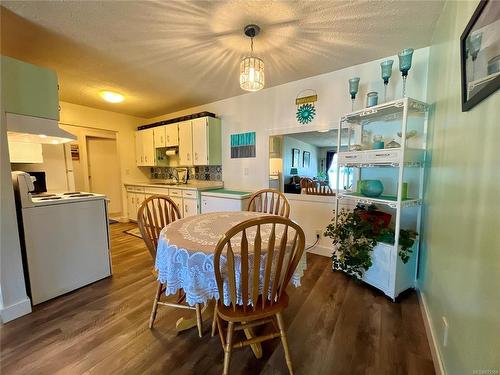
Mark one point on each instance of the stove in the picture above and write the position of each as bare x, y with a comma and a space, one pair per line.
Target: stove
60, 198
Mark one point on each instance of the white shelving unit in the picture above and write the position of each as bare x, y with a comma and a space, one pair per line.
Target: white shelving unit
392, 166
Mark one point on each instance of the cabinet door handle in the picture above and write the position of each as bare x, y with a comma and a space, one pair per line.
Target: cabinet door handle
186, 207
168, 138
195, 156
188, 156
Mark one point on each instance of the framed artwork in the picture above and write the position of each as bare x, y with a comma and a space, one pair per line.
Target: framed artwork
295, 157
243, 145
306, 159
480, 54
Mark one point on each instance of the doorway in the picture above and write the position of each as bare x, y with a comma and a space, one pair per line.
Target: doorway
104, 171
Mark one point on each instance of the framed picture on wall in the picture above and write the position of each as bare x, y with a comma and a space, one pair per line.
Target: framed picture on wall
480, 54
295, 157
306, 159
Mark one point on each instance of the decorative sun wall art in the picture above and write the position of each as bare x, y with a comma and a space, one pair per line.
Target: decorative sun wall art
306, 109
243, 145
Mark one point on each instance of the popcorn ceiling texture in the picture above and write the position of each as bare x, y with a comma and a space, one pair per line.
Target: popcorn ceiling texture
171, 55
209, 173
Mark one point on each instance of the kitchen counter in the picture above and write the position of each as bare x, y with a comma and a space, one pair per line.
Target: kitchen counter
191, 185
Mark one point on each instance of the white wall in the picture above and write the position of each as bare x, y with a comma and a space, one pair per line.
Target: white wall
288, 144
54, 166
85, 121
275, 108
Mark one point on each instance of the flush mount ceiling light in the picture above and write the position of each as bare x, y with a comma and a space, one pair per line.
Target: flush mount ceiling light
112, 97
251, 67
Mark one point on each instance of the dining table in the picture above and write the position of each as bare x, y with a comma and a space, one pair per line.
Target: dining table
185, 260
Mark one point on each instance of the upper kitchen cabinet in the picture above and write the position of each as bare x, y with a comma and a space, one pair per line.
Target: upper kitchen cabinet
198, 142
185, 143
166, 136
30, 90
207, 136
145, 148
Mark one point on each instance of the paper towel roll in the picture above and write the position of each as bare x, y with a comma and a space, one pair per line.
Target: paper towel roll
171, 152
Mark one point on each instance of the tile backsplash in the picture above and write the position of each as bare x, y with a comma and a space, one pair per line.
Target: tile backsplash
208, 173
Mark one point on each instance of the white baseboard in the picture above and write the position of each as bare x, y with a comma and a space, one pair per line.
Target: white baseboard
16, 310
431, 337
325, 251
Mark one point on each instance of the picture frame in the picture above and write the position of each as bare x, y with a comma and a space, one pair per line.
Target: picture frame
480, 54
306, 159
295, 157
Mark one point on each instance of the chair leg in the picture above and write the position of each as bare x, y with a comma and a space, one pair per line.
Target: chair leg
214, 320
281, 325
199, 322
228, 348
155, 305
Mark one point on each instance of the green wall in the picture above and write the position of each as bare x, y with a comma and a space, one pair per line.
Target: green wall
460, 260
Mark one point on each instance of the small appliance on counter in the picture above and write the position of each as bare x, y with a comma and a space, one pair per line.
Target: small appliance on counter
64, 239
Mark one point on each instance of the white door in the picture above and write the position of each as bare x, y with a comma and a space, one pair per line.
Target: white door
104, 171
159, 136
200, 141
172, 134
148, 147
185, 143
139, 156
190, 207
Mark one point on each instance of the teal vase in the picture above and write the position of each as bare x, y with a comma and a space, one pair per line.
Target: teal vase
371, 188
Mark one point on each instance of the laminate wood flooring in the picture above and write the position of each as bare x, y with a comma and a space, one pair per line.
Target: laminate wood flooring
335, 326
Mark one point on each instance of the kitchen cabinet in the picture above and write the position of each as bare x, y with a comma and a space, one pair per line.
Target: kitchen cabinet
224, 200
135, 197
185, 143
171, 135
178, 202
144, 148
189, 207
159, 135
200, 142
166, 136
32, 90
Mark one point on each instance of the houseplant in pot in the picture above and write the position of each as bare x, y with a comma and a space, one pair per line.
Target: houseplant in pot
356, 234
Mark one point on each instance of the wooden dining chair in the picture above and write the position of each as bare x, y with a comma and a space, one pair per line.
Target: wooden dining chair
155, 213
283, 241
320, 190
306, 182
269, 201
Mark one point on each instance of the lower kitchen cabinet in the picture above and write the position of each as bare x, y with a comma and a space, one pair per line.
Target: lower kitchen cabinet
190, 207
188, 201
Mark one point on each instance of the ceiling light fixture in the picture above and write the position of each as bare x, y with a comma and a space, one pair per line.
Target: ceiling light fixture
112, 97
251, 67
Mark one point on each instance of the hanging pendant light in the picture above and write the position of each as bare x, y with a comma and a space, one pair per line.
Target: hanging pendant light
251, 67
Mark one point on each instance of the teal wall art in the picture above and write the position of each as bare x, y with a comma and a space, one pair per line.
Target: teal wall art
305, 103
243, 145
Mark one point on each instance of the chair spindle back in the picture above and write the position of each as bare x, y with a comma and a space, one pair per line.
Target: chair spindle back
155, 213
284, 246
269, 201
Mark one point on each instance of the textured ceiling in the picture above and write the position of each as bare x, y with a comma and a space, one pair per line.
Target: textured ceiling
170, 55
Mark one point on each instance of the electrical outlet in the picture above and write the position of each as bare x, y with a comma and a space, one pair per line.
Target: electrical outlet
245, 171
319, 232
445, 331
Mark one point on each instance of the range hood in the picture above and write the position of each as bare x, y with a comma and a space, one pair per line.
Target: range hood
29, 129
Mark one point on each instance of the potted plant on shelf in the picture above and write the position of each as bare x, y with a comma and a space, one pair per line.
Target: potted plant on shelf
356, 234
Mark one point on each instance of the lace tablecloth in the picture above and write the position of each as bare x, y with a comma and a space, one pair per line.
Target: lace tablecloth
185, 254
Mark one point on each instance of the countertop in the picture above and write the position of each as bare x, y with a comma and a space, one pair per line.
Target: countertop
226, 193
191, 185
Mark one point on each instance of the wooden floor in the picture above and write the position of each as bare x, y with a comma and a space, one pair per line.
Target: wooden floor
335, 326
